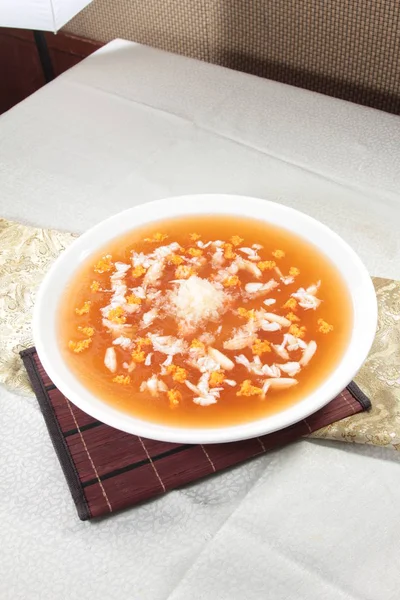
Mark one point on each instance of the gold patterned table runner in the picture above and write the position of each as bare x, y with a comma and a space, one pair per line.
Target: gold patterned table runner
27, 253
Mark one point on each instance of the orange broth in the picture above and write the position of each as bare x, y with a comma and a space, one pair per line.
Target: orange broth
329, 325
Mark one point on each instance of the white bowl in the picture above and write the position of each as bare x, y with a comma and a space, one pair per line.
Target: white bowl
347, 262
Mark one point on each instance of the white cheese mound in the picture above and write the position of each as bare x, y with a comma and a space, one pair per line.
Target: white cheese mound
196, 300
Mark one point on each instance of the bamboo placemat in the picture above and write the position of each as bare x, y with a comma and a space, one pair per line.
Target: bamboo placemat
108, 470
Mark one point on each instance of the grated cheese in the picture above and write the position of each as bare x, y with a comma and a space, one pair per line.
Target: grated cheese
196, 300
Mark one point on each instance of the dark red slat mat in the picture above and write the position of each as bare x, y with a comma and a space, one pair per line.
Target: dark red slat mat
107, 469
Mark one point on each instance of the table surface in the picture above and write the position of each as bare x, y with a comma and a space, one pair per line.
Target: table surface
312, 521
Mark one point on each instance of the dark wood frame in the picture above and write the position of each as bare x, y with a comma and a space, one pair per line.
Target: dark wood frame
21, 69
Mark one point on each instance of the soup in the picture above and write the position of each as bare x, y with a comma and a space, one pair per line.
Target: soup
205, 321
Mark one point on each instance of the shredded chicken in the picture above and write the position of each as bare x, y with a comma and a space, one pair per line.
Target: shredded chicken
269, 301
243, 338
139, 292
290, 368
165, 291
259, 289
168, 344
282, 383
167, 361
149, 317
271, 370
110, 359
269, 326
230, 382
131, 366
116, 329
293, 343
307, 297
217, 259
254, 367
308, 353
164, 251
247, 265
207, 364
121, 269
251, 253
207, 338
205, 395
220, 358
154, 385
278, 384
141, 260
280, 351
123, 341
288, 280
202, 245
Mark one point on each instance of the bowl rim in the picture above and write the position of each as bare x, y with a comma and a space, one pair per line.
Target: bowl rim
45, 336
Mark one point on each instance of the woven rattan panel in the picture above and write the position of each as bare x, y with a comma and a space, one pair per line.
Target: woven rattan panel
344, 48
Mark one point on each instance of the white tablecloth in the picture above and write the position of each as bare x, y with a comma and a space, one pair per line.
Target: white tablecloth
311, 521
